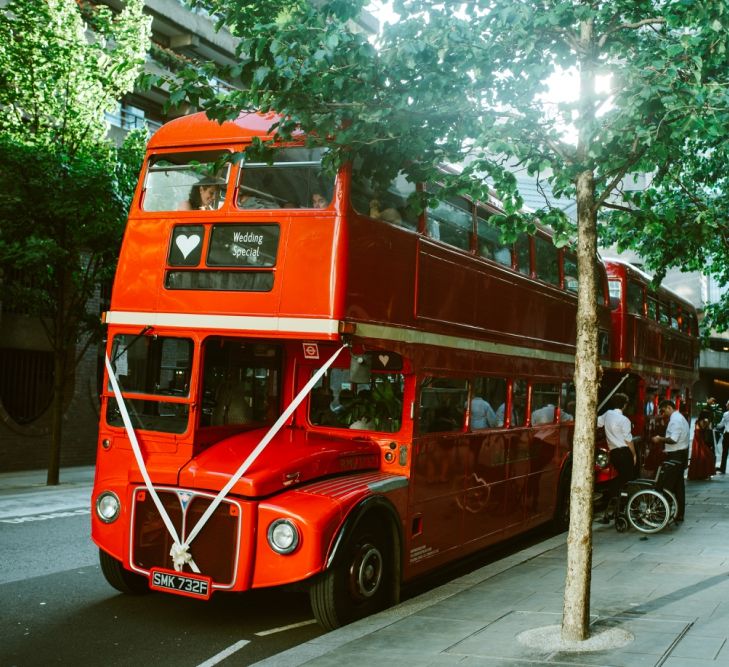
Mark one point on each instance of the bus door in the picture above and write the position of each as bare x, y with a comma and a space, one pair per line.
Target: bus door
440, 451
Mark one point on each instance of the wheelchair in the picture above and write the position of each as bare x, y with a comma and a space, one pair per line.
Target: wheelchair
648, 505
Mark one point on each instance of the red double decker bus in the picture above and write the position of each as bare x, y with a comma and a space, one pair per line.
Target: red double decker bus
655, 352
309, 382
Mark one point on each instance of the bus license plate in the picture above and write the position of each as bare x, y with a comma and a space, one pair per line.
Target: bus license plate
192, 585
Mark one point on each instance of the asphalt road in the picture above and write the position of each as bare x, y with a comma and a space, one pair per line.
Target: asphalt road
57, 609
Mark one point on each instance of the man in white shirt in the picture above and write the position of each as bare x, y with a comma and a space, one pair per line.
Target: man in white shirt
675, 446
482, 414
724, 425
622, 451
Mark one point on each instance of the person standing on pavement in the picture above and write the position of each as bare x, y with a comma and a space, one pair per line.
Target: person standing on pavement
675, 446
723, 425
622, 451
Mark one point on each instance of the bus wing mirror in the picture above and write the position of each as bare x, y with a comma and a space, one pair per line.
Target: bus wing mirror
360, 369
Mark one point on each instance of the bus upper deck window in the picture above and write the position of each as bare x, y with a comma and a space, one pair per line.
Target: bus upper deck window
652, 305
295, 179
390, 203
614, 291
523, 254
488, 239
570, 276
635, 298
547, 260
186, 181
450, 221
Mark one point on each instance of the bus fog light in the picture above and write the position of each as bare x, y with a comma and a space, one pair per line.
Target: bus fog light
602, 458
107, 506
283, 536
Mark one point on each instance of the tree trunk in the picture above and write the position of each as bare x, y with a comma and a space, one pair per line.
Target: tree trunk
576, 614
59, 382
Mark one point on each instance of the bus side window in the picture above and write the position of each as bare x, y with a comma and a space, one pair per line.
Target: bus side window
518, 404
570, 275
523, 254
614, 292
635, 298
442, 404
450, 221
545, 398
390, 205
488, 394
488, 243
567, 402
546, 260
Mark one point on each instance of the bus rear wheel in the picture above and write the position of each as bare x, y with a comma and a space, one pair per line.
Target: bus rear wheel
123, 580
360, 583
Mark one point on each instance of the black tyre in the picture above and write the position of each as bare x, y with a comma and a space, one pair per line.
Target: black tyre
121, 579
621, 524
362, 579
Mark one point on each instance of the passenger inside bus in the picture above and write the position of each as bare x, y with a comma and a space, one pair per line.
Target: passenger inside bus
204, 195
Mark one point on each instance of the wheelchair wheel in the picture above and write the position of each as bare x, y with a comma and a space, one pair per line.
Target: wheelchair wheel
672, 502
648, 511
621, 524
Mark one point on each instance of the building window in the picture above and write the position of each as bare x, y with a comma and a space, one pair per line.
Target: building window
26, 383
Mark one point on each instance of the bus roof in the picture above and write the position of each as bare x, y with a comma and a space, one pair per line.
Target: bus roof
646, 278
197, 128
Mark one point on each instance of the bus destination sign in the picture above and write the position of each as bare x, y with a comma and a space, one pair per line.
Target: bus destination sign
191, 585
243, 245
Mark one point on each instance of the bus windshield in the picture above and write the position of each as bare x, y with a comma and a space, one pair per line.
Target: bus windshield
186, 181
294, 180
154, 365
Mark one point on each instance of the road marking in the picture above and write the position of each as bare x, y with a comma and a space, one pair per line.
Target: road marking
224, 654
44, 517
264, 633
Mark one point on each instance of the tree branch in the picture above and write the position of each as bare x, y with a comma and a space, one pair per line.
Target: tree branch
630, 26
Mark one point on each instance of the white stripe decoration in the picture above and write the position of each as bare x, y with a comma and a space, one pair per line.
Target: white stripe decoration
180, 550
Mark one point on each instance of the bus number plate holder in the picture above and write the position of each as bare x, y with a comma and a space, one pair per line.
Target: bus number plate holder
191, 585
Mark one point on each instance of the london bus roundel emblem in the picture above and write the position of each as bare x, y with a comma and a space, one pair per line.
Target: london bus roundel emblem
311, 350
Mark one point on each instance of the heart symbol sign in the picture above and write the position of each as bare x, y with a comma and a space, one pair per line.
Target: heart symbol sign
384, 358
187, 244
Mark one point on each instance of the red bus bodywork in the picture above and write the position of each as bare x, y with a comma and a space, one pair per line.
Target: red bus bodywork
415, 497
655, 343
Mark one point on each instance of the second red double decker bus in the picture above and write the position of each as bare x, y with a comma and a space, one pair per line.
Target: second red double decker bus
307, 382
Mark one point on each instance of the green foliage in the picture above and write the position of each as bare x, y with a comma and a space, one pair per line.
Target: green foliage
61, 221
57, 76
64, 188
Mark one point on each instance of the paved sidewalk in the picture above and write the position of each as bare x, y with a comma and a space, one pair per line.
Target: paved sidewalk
25, 493
669, 591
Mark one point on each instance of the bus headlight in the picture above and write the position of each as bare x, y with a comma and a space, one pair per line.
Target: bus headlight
602, 458
107, 506
283, 536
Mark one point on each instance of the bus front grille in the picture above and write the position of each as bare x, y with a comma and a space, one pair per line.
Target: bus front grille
214, 549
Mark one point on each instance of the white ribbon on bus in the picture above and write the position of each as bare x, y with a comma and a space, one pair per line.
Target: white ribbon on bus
180, 550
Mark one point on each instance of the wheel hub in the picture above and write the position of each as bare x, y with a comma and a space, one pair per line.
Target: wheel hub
366, 572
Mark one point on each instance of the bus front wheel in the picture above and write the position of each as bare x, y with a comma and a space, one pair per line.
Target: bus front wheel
123, 580
360, 583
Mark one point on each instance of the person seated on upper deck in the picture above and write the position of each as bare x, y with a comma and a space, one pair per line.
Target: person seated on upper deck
247, 201
204, 195
318, 200
389, 214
